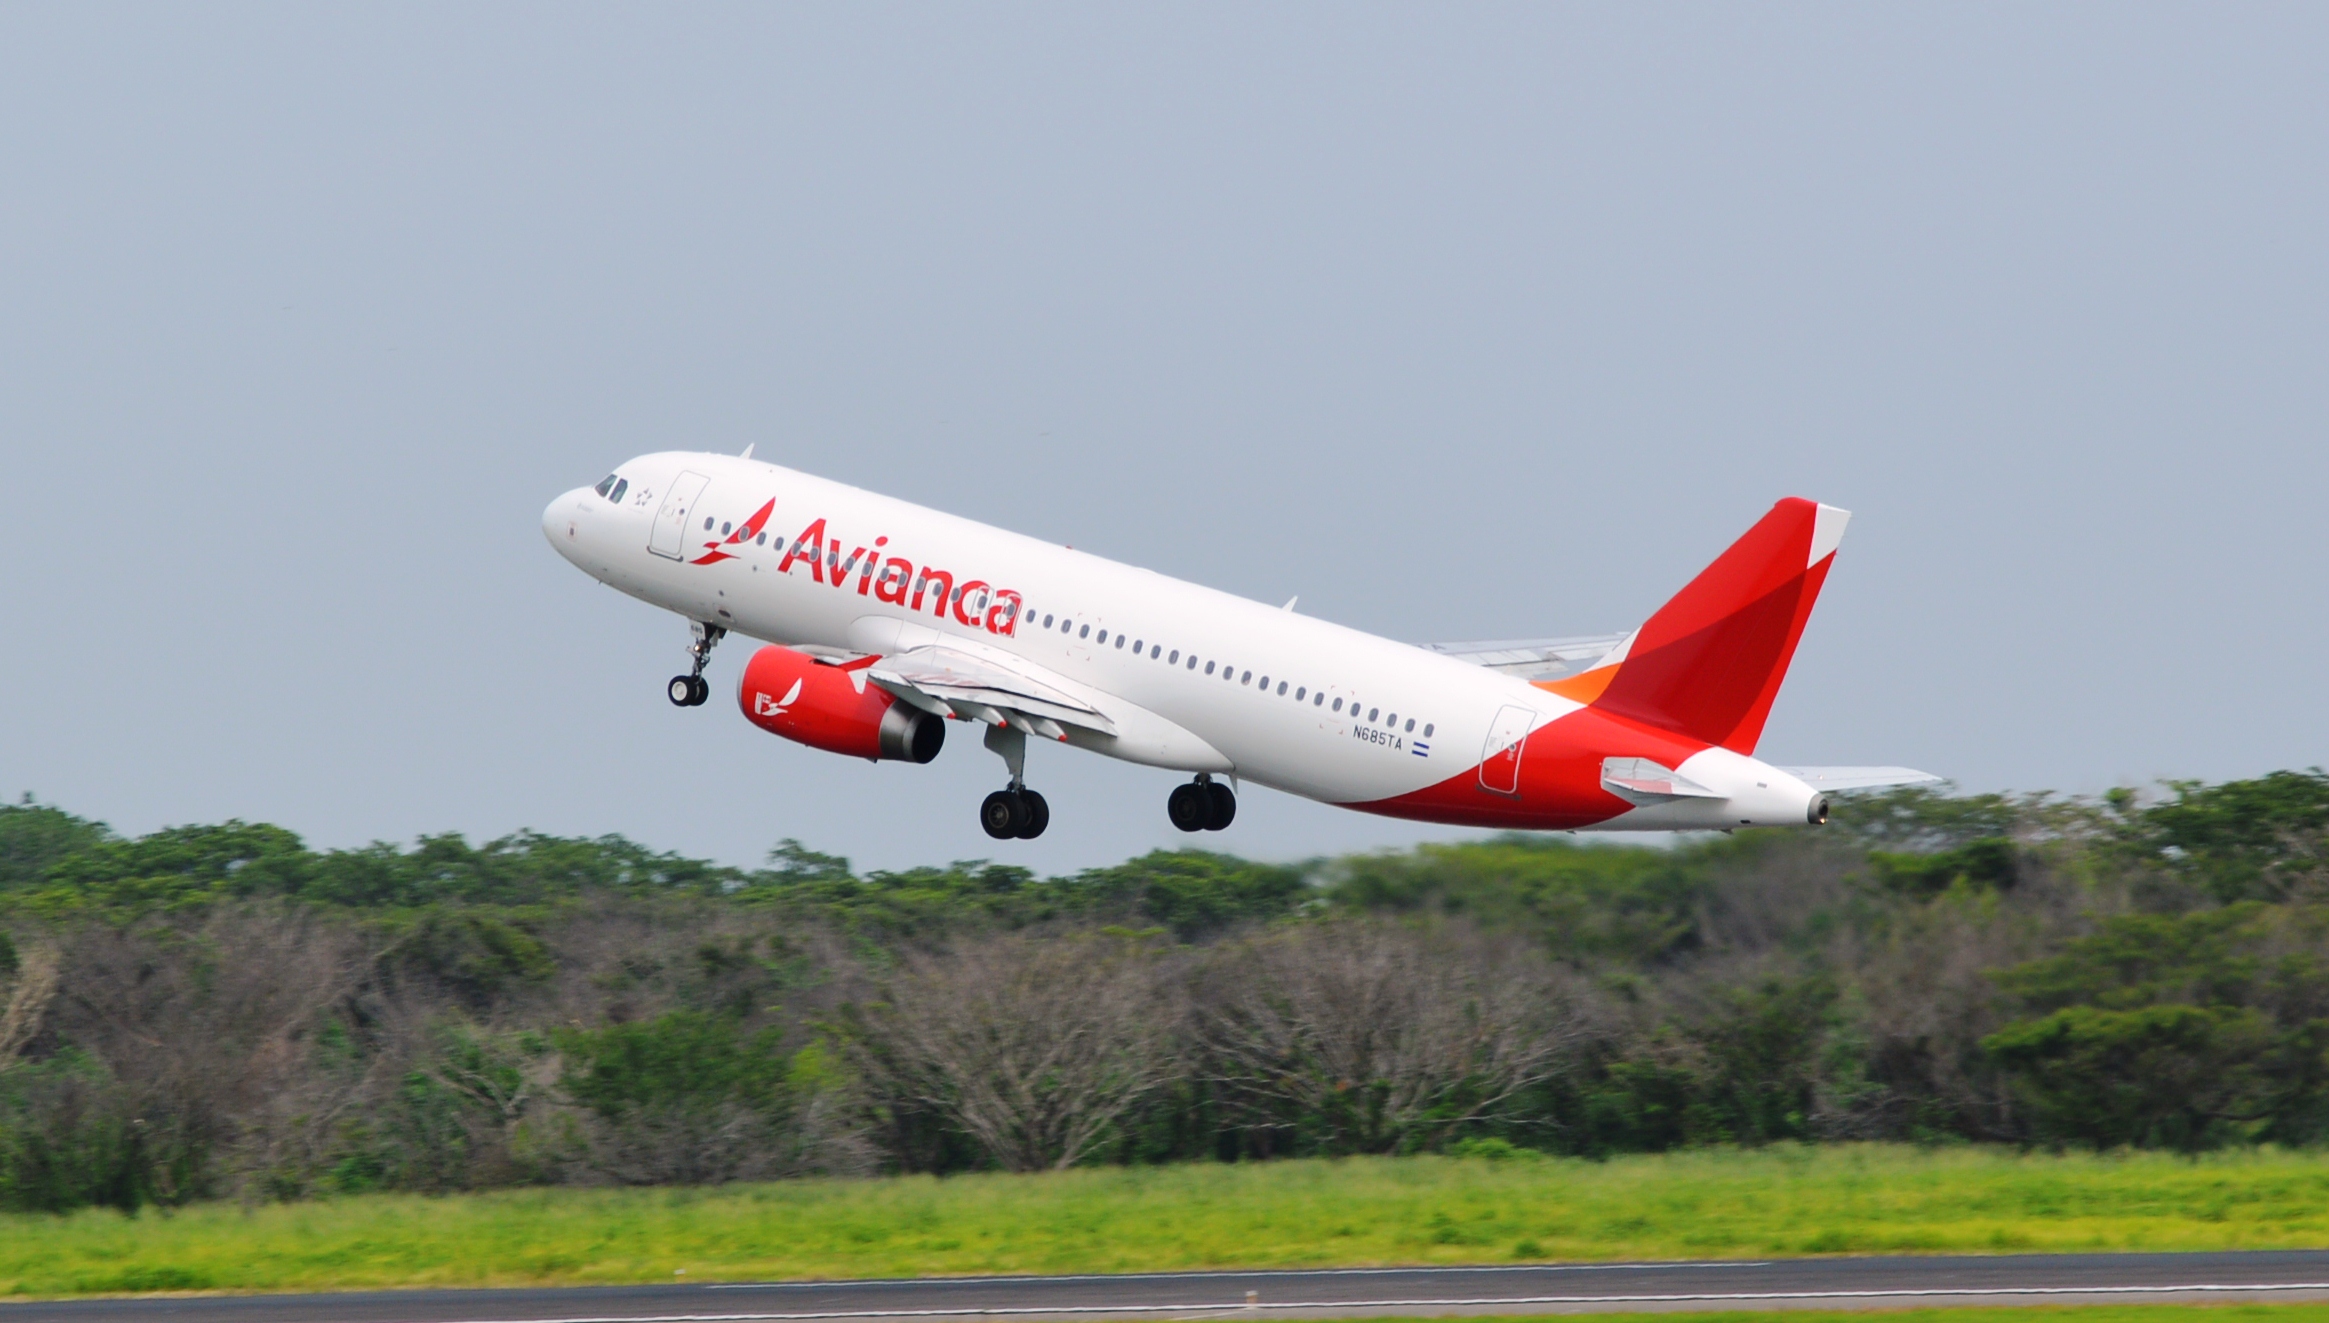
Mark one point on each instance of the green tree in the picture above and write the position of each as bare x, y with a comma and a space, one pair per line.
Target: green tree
686, 1097
2182, 1031
36, 837
2266, 838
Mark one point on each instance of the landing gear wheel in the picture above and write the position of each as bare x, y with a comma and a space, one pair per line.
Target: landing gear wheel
1190, 807
691, 690
1222, 803
1038, 815
1004, 815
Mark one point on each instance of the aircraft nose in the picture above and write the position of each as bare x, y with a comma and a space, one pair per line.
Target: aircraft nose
562, 524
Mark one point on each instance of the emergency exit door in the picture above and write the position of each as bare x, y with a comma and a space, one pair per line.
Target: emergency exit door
1500, 757
668, 537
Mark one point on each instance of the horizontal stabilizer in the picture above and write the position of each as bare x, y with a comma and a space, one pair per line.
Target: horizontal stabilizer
1534, 659
1641, 781
1860, 778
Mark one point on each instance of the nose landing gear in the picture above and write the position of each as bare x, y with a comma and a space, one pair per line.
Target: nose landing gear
1202, 805
1016, 813
690, 690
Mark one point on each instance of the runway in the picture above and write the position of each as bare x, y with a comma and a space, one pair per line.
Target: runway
1837, 1283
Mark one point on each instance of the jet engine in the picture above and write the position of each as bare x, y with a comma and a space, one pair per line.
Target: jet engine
792, 694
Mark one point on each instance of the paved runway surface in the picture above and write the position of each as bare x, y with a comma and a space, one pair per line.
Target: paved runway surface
1834, 1283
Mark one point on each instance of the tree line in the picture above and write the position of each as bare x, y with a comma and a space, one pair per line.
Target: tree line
219, 1011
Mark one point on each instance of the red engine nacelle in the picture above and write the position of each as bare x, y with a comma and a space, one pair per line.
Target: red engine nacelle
792, 694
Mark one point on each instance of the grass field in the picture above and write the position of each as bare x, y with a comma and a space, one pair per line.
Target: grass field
1708, 1204
2251, 1313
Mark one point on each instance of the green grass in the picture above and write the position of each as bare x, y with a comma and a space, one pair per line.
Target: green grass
1709, 1204
2249, 1313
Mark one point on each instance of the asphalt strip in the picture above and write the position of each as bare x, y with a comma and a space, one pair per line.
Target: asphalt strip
1843, 1282
1325, 1309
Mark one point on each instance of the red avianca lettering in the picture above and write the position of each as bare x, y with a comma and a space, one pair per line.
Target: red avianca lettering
973, 602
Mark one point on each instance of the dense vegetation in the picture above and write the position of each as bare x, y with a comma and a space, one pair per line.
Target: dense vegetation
218, 1010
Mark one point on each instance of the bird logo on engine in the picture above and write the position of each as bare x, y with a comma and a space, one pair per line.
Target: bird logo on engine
761, 707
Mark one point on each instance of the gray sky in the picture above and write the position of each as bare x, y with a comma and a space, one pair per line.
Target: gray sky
1459, 321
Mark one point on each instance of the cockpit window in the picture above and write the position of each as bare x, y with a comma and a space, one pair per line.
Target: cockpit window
605, 484
617, 494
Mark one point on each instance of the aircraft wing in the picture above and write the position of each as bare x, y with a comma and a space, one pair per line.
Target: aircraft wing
1534, 659
1861, 778
950, 682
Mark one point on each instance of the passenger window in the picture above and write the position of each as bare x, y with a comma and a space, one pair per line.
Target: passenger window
1427, 730
617, 494
1319, 701
1265, 682
1103, 637
760, 541
1084, 633
1208, 667
1047, 622
1301, 692
1156, 650
1281, 689
1138, 645
707, 523
1067, 626
1193, 664
726, 528
1176, 657
1119, 642
1393, 721
1338, 705
1411, 725
1373, 713
1246, 678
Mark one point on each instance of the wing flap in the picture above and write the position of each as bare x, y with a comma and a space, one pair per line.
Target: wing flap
976, 688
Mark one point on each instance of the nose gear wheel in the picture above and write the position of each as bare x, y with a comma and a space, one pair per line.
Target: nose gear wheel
690, 690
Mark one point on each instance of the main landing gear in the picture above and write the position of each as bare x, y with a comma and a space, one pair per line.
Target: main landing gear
689, 690
1202, 805
1013, 813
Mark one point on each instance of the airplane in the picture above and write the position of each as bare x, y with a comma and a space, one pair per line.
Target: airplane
885, 622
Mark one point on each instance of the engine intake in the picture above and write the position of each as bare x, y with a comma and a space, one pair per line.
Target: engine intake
792, 694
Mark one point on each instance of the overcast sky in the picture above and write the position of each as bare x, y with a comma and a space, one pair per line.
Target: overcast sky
1459, 321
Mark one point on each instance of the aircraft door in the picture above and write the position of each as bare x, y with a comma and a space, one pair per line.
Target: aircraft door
1500, 757
668, 537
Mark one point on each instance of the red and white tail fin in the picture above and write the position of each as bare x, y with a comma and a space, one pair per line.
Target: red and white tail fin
1709, 663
